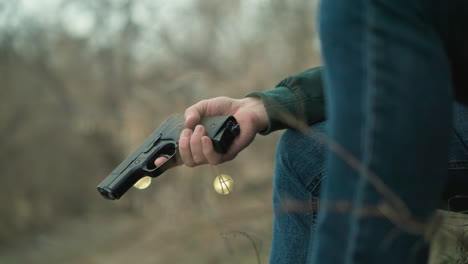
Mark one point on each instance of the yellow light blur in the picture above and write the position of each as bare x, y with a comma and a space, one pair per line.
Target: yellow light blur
143, 183
223, 184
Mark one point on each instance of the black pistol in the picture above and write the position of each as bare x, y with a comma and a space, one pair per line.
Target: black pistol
163, 142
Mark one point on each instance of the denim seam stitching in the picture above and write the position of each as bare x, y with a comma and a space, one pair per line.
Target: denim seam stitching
354, 229
458, 165
459, 138
314, 181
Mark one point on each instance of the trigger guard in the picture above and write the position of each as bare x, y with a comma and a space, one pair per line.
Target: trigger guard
169, 163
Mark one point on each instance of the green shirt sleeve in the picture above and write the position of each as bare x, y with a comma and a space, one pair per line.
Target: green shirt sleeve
298, 98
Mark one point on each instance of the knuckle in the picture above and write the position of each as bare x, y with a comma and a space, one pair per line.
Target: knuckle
194, 139
190, 165
191, 111
188, 111
183, 148
193, 142
229, 157
213, 158
196, 107
216, 161
198, 161
186, 160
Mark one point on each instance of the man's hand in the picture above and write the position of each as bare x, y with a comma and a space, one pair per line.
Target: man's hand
196, 148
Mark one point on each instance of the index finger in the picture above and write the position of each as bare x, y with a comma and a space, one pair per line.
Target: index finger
194, 114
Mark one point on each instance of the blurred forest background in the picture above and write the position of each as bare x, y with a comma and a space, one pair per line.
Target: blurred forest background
83, 82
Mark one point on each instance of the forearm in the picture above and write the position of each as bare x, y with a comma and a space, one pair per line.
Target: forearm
296, 98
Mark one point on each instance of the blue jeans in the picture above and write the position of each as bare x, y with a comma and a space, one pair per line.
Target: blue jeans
300, 173
390, 70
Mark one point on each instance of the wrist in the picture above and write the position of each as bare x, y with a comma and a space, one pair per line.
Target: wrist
260, 117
